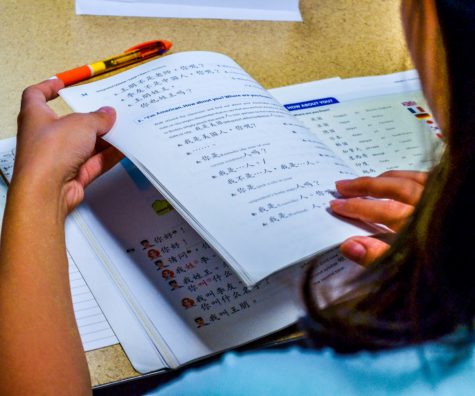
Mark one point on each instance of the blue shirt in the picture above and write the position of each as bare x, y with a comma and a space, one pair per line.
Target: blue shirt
430, 369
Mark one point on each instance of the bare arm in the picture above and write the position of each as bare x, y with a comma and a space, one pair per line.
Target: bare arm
40, 348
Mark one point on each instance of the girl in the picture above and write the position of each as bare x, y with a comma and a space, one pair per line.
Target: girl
415, 305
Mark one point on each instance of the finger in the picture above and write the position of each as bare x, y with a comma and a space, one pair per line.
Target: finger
44, 91
101, 145
100, 122
97, 165
363, 250
105, 118
34, 98
397, 188
417, 176
388, 212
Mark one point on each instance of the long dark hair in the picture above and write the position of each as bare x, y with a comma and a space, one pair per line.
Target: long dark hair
424, 287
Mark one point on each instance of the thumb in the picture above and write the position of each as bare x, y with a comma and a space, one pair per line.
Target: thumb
363, 250
103, 119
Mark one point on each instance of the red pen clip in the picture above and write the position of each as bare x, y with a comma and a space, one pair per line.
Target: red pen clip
149, 48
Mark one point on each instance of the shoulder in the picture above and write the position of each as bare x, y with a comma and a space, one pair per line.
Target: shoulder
303, 371
280, 372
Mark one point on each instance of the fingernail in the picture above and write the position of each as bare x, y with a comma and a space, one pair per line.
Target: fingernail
337, 203
342, 183
353, 250
107, 109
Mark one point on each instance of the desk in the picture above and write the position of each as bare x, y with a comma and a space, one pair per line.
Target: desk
343, 38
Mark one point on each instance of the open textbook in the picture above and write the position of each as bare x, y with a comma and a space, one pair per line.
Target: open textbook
252, 177
261, 163
167, 295
224, 184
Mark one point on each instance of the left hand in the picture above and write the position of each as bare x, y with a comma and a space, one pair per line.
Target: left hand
401, 191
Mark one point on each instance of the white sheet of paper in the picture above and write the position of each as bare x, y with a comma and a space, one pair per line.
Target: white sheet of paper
272, 10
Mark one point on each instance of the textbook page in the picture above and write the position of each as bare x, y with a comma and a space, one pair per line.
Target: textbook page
186, 298
230, 159
374, 124
94, 329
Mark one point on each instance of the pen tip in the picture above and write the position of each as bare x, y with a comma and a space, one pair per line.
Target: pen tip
166, 44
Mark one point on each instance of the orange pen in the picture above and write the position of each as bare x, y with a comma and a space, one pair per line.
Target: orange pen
132, 55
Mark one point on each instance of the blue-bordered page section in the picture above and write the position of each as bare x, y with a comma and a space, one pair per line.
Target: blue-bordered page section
374, 124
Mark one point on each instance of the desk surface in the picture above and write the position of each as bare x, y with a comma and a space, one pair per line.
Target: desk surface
343, 38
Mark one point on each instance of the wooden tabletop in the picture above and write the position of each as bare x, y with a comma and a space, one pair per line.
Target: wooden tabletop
345, 38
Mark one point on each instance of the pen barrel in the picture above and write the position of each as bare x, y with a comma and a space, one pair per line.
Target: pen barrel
114, 62
132, 55
75, 75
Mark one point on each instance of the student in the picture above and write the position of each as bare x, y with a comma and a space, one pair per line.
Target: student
419, 304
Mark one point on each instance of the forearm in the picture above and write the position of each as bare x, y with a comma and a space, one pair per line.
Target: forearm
56, 158
40, 348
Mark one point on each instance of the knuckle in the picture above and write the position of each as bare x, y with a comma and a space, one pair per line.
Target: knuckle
81, 120
353, 206
85, 122
26, 99
21, 116
24, 115
406, 189
357, 186
27, 92
398, 209
26, 108
367, 184
410, 191
389, 173
366, 179
363, 180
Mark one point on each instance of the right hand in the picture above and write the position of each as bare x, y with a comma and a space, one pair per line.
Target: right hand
57, 157
400, 192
